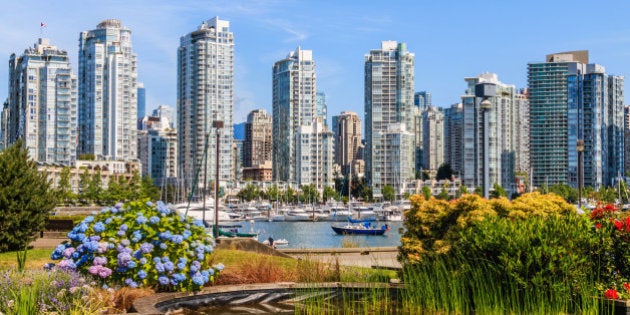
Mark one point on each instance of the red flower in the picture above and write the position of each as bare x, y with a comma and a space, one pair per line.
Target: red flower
628, 224
598, 225
611, 294
626, 286
618, 225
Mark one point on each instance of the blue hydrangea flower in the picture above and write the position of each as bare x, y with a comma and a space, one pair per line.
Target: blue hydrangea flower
168, 266
149, 203
131, 264
186, 234
146, 248
177, 239
88, 219
163, 246
157, 259
121, 233
124, 227
198, 279
154, 220
108, 220
142, 274
159, 267
163, 280
219, 266
125, 242
143, 261
141, 220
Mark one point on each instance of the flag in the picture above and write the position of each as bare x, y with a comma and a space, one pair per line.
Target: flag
42, 24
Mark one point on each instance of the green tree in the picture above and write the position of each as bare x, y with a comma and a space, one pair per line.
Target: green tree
498, 191
84, 184
388, 193
149, 190
443, 194
329, 193
444, 172
544, 189
309, 194
95, 188
26, 200
565, 191
64, 189
479, 191
426, 192
273, 193
366, 192
249, 192
134, 186
114, 191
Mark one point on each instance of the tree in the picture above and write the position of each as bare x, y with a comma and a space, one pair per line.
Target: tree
443, 194
249, 192
149, 190
309, 194
26, 200
565, 191
426, 192
479, 191
444, 172
134, 186
114, 193
95, 188
498, 191
64, 190
329, 193
84, 184
388, 193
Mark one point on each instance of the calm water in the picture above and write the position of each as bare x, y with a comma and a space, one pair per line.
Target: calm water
319, 234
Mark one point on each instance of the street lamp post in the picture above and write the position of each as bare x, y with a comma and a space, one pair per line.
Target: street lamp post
217, 124
580, 149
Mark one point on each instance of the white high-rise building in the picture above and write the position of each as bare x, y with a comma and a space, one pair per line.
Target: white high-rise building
433, 139
347, 134
294, 106
205, 95
314, 152
389, 99
157, 150
398, 157
108, 101
42, 104
165, 111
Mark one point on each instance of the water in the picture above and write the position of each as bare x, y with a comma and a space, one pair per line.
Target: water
319, 234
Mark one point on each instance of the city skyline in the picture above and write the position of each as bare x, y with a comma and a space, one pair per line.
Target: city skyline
449, 45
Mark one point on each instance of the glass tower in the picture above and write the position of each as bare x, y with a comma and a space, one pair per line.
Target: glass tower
42, 104
205, 93
107, 93
294, 105
389, 99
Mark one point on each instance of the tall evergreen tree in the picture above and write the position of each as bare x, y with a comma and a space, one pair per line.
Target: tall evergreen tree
26, 199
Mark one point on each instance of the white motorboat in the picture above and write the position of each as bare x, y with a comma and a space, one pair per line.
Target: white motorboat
297, 214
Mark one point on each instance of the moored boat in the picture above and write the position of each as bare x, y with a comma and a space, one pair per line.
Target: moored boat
360, 229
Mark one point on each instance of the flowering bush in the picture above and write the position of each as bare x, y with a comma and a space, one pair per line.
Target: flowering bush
140, 245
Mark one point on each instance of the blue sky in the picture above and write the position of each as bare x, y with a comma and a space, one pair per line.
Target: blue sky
451, 39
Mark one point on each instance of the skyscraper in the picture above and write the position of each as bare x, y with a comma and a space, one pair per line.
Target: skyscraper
453, 132
258, 144
389, 93
314, 155
165, 112
142, 100
205, 93
422, 100
433, 139
347, 140
157, 150
294, 105
626, 139
42, 104
107, 93
490, 116
570, 100
321, 109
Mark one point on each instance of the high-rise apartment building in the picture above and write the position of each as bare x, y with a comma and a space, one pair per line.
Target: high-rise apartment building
398, 158
389, 96
321, 109
453, 132
572, 100
205, 93
314, 152
422, 100
521, 159
432, 139
165, 112
294, 106
490, 116
157, 150
42, 104
142, 100
258, 144
4, 124
347, 140
107, 93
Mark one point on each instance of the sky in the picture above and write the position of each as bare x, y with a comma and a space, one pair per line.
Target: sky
451, 40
